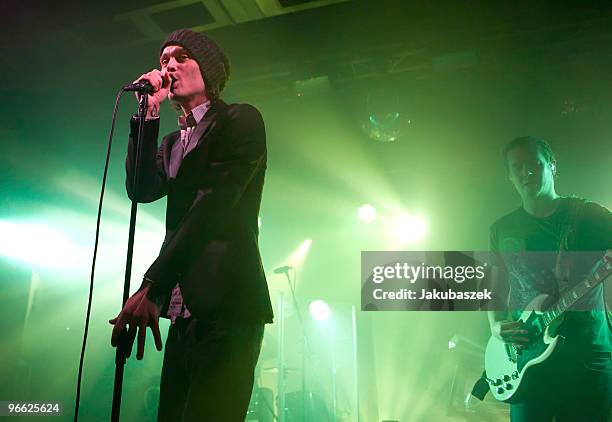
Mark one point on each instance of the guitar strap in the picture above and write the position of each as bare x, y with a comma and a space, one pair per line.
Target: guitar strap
481, 387
568, 242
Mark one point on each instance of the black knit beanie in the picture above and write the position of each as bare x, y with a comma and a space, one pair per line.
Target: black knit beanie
214, 64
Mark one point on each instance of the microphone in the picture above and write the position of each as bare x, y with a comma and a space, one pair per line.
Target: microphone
283, 270
143, 86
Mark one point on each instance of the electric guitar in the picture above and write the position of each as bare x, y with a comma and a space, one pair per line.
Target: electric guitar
511, 372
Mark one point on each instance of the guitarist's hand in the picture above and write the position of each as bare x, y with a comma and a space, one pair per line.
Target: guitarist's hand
512, 332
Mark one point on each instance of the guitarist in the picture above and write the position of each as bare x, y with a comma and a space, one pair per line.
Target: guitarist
579, 386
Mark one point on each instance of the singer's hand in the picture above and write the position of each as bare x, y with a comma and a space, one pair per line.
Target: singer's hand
161, 81
139, 313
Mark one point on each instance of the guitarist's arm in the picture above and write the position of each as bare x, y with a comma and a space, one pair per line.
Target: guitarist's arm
501, 325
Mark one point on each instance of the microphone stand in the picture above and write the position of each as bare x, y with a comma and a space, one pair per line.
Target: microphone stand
124, 346
305, 346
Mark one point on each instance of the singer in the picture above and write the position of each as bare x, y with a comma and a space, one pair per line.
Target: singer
212, 172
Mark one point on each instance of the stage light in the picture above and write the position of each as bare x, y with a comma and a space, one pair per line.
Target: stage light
319, 310
38, 245
407, 229
367, 213
297, 258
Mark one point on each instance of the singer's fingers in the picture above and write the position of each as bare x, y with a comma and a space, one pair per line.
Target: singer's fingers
167, 80
131, 335
118, 327
142, 335
155, 79
144, 77
160, 82
156, 334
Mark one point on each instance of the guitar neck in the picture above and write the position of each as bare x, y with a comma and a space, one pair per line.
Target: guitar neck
601, 270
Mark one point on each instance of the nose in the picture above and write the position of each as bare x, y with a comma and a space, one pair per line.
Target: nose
171, 66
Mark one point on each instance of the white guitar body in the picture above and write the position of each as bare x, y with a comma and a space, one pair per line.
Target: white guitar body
511, 372
507, 380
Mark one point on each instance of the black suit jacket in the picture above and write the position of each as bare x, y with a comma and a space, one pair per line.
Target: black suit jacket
211, 244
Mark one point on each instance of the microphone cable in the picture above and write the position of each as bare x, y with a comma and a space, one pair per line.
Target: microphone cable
95, 254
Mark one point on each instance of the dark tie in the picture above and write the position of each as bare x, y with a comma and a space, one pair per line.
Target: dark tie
187, 121
187, 124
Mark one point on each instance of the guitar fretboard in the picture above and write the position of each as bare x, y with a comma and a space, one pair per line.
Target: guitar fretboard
601, 271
